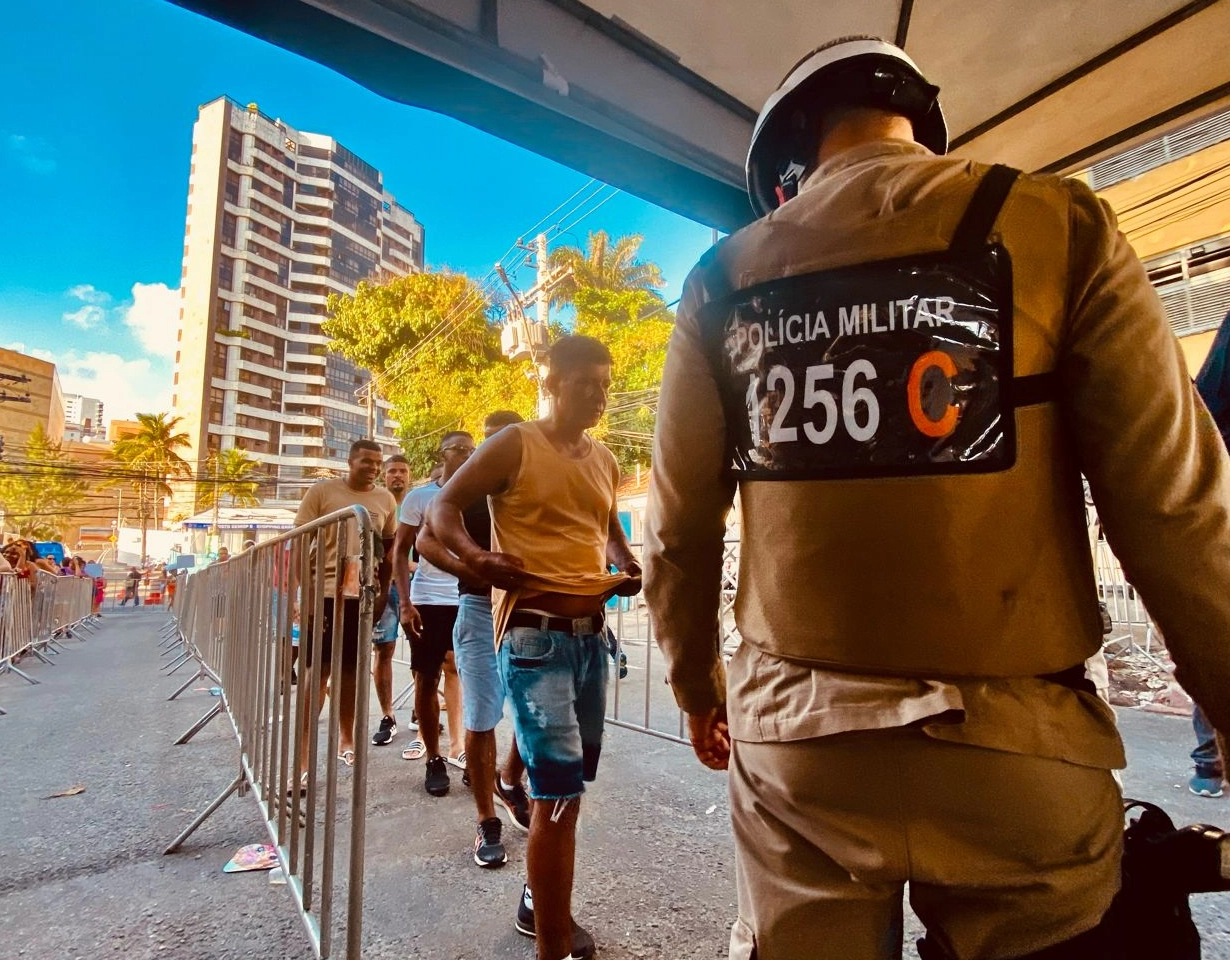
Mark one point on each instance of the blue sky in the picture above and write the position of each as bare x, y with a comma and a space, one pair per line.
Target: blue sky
95, 137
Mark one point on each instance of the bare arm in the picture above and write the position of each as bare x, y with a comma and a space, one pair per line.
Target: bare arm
430, 547
619, 555
402, 543
490, 471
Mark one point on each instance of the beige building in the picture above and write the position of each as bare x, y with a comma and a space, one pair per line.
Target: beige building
23, 377
1172, 197
278, 219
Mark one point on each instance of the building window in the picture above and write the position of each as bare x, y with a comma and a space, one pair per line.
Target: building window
232, 187
229, 229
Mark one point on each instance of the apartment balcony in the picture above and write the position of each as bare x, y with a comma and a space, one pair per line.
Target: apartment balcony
218, 383
298, 420
262, 370
267, 305
311, 220
294, 356
318, 259
315, 379
316, 199
268, 413
232, 431
298, 236
257, 174
302, 440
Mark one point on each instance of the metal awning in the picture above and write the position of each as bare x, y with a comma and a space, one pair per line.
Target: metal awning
658, 97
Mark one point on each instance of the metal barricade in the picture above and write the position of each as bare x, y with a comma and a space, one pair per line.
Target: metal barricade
35, 613
236, 618
642, 701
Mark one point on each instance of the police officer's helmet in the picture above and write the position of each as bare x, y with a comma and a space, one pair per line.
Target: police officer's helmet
854, 71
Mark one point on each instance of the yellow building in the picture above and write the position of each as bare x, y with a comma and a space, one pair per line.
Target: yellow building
33, 398
1172, 197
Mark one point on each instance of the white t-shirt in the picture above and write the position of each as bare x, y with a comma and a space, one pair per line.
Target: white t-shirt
430, 585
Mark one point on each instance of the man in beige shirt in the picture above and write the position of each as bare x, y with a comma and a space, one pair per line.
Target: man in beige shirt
323, 498
902, 371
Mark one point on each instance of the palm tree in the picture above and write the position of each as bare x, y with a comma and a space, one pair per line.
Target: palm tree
232, 474
153, 451
604, 266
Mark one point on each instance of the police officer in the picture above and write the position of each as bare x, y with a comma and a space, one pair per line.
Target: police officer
902, 369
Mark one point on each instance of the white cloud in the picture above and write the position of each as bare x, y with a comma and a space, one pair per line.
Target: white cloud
33, 153
88, 293
124, 386
153, 317
87, 318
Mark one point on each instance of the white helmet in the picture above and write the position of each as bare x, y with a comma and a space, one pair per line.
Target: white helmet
857, 71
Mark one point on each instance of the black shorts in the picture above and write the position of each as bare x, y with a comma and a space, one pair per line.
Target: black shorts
428, 651
350, 634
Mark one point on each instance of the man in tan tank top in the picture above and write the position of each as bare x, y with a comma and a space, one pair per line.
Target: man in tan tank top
555, 535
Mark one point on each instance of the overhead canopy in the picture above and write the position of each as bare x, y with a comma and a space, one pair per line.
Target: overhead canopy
658, 97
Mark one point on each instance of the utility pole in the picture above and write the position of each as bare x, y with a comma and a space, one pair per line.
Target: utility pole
144, 518
523, 339
370, 397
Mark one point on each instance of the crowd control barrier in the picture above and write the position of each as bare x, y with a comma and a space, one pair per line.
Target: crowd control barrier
237, 620
35, 614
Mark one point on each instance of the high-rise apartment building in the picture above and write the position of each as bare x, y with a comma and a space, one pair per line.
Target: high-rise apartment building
278, 219
86, 414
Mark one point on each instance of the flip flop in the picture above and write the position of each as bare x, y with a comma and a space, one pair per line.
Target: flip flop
347, 757
416, 751
459, 761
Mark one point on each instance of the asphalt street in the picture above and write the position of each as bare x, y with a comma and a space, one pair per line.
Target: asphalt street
84, 875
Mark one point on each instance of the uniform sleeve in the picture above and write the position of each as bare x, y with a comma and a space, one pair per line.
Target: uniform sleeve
1156, 464
689, 498
309, 506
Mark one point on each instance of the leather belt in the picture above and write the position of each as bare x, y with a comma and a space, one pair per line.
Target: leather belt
576, 626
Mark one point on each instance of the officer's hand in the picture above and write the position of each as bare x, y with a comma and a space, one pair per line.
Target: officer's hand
411, 619
710, 737
501, 570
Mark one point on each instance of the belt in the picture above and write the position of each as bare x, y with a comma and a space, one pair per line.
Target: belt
576, 626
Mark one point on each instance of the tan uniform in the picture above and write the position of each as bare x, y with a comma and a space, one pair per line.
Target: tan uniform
1001, 556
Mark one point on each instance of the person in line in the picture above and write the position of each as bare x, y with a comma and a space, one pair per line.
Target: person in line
384, 635
482, 691
555, 533
428, 612
902, 370
323, 498
132, 581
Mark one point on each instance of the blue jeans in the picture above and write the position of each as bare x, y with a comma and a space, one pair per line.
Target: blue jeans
482, 690
556, 685
1205, 756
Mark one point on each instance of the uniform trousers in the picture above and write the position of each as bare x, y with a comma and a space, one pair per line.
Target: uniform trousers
1004, 854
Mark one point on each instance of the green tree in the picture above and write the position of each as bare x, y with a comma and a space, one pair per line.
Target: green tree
154, 450
230, 475
431, 342
603, 265
40, 489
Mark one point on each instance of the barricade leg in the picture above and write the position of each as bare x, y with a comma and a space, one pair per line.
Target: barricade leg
9, 668
197, 727
174, 667
220, 799
201, 674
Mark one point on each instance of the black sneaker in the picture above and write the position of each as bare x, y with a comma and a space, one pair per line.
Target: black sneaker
582, 943
516, 803
436, 781
388, 730
488, 850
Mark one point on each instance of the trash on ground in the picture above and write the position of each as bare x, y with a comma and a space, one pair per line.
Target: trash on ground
70, 792
255, 856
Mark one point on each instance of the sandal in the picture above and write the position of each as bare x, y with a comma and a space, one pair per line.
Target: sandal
458, 761
347, 757
416, 751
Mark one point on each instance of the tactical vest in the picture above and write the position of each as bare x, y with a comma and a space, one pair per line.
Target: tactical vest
947, 532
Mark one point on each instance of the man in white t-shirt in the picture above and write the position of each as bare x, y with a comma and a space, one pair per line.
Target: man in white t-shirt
428, 610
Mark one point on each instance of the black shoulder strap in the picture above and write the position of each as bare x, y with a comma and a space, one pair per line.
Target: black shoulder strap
983, 210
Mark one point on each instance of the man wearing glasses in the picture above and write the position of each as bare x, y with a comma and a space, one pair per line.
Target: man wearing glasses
428, 611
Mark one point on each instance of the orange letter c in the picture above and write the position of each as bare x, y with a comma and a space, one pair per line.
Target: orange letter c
948, 422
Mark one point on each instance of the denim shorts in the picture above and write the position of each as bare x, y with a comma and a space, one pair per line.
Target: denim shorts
482, 690
556, 685
385, 630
